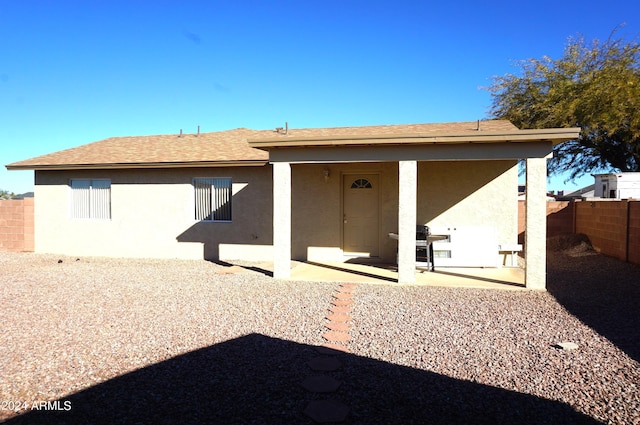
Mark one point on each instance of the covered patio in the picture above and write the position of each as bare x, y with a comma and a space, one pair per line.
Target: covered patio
489, 142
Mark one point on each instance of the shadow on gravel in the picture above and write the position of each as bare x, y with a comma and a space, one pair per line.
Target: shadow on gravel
250, 268
602, 292
256, 379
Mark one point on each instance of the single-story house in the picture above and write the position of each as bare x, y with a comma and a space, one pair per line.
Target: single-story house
314, 194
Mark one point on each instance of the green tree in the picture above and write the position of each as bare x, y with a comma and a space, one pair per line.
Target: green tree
594, 86
6, 195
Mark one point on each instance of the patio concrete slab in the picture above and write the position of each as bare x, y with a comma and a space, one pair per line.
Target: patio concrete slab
509, 278
349, 273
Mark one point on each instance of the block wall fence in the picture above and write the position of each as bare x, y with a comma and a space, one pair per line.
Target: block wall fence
16, 225
613, 226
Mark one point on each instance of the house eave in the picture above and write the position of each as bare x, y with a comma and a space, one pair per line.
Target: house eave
140, 165
553, 135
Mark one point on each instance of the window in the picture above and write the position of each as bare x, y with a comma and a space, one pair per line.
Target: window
91, 199
361, 184
213, 198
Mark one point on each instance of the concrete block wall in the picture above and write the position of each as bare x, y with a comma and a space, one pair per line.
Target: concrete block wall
634, 232
17, 225
521, 221
559, 218
612, 226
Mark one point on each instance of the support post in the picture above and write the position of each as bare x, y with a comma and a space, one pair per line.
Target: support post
536, 224
407, 215
281, 220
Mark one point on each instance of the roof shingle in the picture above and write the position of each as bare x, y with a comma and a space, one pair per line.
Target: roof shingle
223, 147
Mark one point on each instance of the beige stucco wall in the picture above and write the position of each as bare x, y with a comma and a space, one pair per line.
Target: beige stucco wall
153, 214
152, 210
470, 193
317, 208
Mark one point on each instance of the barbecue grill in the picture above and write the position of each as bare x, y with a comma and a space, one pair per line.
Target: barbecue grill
424, 245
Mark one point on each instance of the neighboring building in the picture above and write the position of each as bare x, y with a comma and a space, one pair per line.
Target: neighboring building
585, 192
325, 194
617, 185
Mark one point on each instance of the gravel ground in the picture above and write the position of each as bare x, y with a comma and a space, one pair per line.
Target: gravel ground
151, 341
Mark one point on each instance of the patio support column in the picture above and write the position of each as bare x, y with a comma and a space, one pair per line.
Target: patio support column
407, 215
281, 220
536, 224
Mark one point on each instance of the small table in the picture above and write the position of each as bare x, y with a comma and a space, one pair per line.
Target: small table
425, 243
512, 248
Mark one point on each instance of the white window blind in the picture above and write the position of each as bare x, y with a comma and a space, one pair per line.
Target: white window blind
213, 198
91, 199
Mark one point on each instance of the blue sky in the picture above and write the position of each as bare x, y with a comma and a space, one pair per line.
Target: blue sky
73, 72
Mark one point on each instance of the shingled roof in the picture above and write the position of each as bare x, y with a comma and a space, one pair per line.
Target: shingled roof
241, 146
154, 151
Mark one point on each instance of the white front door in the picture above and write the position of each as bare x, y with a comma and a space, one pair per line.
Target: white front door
360, 214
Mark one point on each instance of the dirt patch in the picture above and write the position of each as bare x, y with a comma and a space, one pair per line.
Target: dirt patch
577, 245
